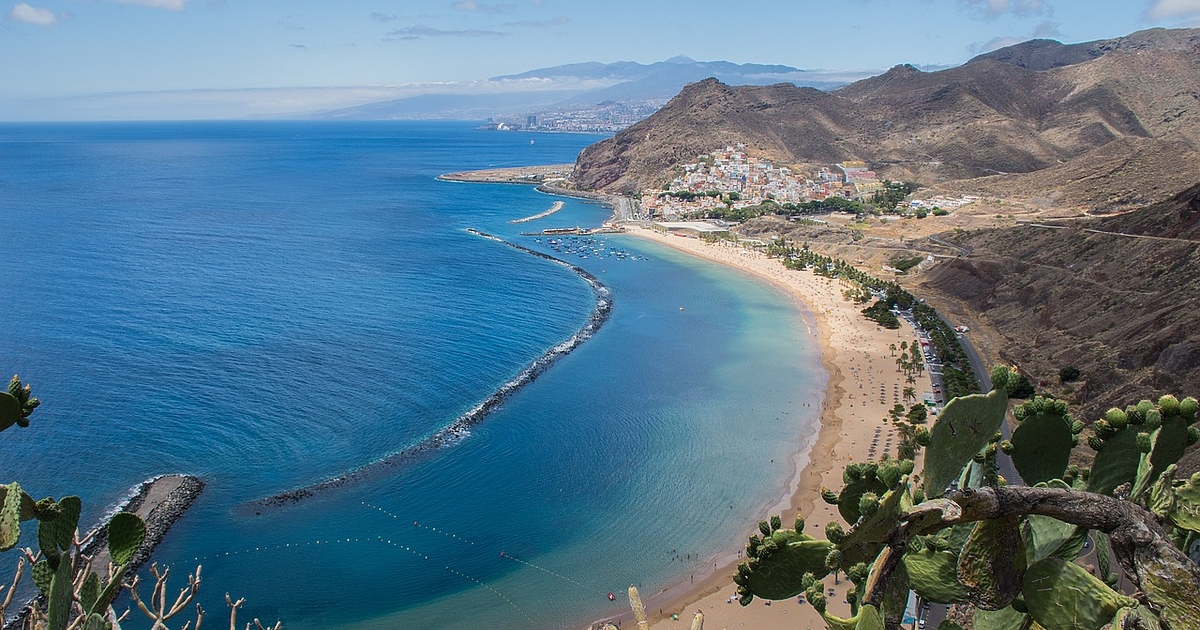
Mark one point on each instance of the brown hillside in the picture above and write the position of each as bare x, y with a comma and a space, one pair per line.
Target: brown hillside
1015, 111
1114, 305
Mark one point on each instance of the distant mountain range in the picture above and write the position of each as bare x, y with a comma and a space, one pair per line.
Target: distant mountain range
582, 86
1123, 113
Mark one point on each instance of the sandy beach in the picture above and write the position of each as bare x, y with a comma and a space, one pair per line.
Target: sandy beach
864, 383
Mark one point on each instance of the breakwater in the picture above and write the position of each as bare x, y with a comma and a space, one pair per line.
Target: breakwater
558, 205
460, 428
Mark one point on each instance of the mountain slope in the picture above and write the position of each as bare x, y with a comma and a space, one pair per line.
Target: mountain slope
1119, 307
997, 114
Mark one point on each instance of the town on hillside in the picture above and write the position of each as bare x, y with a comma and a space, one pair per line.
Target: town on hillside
731, 179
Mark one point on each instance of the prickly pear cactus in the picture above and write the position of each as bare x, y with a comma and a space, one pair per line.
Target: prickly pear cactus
778, 561
1171, 434
1061, 595
10, 516
1042, 443
57, 535
59, 595
1117, 454
963, 429
863, 479
992, 563
1004, 619
126, 531
934, 576
1049, 537
16, 405
862, 543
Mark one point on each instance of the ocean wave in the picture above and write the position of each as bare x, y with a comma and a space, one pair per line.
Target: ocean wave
460, 429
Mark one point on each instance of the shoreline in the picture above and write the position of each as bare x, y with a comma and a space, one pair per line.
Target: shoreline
854, 354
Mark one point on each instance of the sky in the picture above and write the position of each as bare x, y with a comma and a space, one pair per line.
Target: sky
64, 58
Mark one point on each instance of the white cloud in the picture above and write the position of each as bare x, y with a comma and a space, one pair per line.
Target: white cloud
995, 43
22, 12
1173, 9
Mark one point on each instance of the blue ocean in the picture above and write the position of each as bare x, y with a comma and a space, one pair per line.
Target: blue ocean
268, 305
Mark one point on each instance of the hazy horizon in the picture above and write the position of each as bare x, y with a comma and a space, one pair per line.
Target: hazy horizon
188, 59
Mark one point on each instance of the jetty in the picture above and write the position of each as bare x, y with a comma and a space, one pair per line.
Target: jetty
516, 175
558, 205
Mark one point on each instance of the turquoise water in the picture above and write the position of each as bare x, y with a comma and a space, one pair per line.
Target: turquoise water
268, 305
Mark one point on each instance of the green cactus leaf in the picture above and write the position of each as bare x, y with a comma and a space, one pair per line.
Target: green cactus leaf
1185, 509
126, 531
851, 495
992, 563
1116, 463
862, 544
1104, 558
1062, 595
1004, 619
957, 536
934, 576
43, 575
96, 622
10, 516
89, 591
869, 619
59, 597
59, 534
778, 575
1042, 446
963, 429
1167, 445
837, 623
10, 410
1046, 536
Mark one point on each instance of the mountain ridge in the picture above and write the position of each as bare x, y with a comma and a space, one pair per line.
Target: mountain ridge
997, 114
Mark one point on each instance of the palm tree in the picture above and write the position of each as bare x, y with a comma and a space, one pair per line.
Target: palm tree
910, 393
892, 347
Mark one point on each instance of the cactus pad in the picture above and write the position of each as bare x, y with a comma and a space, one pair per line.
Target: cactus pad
10, 410
1116, 461
933, 575
126, 531
1042, 442
59, 533
963, 429
1049, 537
1063, 596
10, 515
992, 562
1004, 619
778, 574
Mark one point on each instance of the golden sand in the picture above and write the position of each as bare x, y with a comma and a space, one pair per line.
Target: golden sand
864, 383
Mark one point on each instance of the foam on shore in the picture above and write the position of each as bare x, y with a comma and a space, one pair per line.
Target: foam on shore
460, 428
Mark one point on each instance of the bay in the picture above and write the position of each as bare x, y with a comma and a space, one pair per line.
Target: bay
270, 304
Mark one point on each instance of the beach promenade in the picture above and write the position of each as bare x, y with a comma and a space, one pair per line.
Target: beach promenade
864, 383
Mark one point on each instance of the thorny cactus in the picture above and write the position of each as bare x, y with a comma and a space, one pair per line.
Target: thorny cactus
16, 404
1008, 550
1042, 443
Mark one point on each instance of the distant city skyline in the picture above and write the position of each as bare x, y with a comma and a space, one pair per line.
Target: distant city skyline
98, 59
